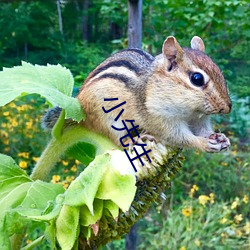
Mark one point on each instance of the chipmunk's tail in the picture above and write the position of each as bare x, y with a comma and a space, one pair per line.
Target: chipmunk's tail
50, 117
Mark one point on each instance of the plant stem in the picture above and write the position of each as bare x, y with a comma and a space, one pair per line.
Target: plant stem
57, 147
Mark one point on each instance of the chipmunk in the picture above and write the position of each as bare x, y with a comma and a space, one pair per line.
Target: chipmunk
170, 96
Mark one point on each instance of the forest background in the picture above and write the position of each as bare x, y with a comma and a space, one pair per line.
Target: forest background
207, 206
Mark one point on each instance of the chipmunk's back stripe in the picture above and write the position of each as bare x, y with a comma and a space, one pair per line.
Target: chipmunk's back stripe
142, 53
118, 77
118, 63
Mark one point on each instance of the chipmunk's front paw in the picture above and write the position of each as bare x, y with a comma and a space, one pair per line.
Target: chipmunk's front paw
140, 140
218, 142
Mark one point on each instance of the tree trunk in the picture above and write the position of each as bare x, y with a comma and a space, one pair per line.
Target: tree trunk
85, 21
59, 16
135, 23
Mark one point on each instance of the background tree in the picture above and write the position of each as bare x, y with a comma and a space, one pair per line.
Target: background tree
135, 23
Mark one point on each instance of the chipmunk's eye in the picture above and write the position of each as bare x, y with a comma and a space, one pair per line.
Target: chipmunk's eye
197, 79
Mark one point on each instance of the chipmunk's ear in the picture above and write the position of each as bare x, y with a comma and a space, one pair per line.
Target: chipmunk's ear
171, 49
197, 43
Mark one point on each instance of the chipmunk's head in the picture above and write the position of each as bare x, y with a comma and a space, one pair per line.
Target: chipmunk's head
194, 76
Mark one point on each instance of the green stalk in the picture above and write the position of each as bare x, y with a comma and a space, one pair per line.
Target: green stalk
58, 146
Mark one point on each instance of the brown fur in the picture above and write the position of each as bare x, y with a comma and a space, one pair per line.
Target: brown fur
159, 95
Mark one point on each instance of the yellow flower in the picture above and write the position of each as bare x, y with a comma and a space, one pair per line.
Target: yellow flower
6, 149
73, 168
65, 163
235, 203
14, 123
224, 164
12, 105
28, 241
24, 154
29, 124
238, 159
187, 211
6, 113
35, 159
77, 162
234, 152
183, 248
223, 235
203, 199
4, 134
24, 107
223, 220
55, 178
247, 227
245, 199
197, 242
6, 141
238, 218
23, 164
238, 233
65, 185
211, 195
193, 190
70, 178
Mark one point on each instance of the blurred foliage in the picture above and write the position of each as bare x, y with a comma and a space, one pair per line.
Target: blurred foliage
30, 32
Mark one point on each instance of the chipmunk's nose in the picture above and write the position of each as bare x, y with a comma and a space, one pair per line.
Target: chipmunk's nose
226, 109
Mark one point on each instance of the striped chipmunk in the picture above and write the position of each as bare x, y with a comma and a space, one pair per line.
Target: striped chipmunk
170, 96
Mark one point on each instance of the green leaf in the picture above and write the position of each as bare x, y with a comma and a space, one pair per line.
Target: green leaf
86, 218
4, 240
14, 223
11, 200
86, 231
83, 152
50, 213
20, 197
118, 188
67, 226
53, 82
14, 198
112, 208
6, 186
83, 189
9, 168
39, 194
50, 234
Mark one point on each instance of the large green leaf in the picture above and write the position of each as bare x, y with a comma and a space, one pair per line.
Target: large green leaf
83, 189
67, 226
86, 218
40, 193
104, 181
83, 152
53, 82
118, 188
20, 197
